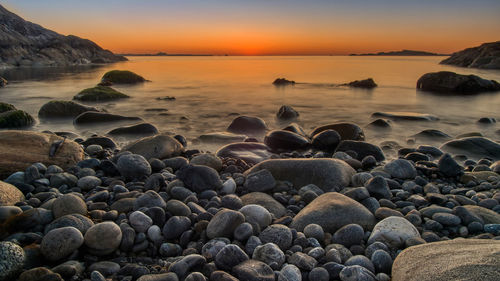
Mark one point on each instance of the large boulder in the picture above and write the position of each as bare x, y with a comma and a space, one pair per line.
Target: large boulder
99, 93
122, 77
486, 56
347, 131
247, 125
362, 149
92, 118
159, 146
332, 211
459, 259
405, 116
447, 82
20, 149
250, 152
63, 109
9, 194
328, 174
11, 117
473, 147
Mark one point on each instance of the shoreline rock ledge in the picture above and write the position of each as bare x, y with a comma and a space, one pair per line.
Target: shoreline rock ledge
486, 56
28, 44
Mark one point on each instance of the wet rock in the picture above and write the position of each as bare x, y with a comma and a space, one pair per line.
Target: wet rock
283, 82
60, 243
122, 77
142, 129
251, 153
473, 147
247, 125
91, 117
362, 149
285, 140
432, 134
327, 140
222, 137
63, 109
347, 131
287, 112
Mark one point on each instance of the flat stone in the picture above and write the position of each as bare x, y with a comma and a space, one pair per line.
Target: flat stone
407, 116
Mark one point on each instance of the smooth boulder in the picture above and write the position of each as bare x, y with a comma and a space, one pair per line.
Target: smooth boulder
250, 152
63, 109
347, 131
285, 140
332, 211
247, 125
393, 231
459, 259
19, 149
159, 146
141, 129
286, 112
9, 194
473, 147
122, 77
328, 174
362, 149
99, 93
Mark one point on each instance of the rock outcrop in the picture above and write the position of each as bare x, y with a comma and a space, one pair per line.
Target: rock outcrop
447, 82
23, 43
486, 56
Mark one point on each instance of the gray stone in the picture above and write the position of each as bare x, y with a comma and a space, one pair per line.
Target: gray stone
303, 261
290, 273
473, 147
88, 183
248, 125
12, 258
257, 216
224, 223
61, 242
149, 199
260, 181
448, 166
230, 256
278, 234
362, 149
266, 201
269, 253
348, 235
103, 238
401, 169
68, 204
207, 159
133, 167
159, 146
393, 231
199, 178
253, 270
140, 221
356, 273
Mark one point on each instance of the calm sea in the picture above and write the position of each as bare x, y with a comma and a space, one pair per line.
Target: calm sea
210, 90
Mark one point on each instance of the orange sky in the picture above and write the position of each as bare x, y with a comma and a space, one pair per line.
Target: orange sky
276, 27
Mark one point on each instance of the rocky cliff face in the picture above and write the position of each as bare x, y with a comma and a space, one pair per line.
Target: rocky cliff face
486, 56
23, 43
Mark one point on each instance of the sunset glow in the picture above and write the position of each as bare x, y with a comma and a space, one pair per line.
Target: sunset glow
270, 27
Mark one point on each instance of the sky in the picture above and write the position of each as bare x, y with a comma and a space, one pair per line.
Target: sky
269, 27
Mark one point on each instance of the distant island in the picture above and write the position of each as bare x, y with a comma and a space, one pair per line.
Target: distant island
401, 53
163, 54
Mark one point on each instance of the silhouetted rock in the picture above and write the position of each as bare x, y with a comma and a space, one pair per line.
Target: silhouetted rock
91, 117
366, 84
286, 112
27, 44
347, 131
450, 82
486, 56
283, 82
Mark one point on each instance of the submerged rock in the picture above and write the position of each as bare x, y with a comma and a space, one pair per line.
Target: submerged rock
222, 137
407, 116
459, 259
432, 134
450, 82
247, 125
287, 112
474, 147
362, 149
99, 93
91, 117
486, 56
63, 109
347, 131
122, 77
142, 129
250, 152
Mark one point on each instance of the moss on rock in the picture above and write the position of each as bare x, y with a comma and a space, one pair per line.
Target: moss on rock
122, 77
6, 107
15, 119
61, 109
99, 93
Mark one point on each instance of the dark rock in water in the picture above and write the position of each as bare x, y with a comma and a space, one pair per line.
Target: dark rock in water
12, 258
91, 117
366, 84
474, 147
63, 109
327, 174
487, 120
247, 125
142, 129
486, 56
285, 140
249, 152
287, 112
122, 77
407, 116
362, 149
11, 117
380, 123
332, 211
448, 166
283, 82
28, 44
347, 131
159, 146
453, 83
99, 93
441, 261
432, 134
199, 178
3, 82
105, 142
222, 137
295, 128
327, 140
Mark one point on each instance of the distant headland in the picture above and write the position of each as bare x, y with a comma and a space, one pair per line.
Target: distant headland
163, 54
401, 53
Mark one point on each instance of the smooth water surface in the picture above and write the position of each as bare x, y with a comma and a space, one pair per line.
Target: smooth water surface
209, 92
